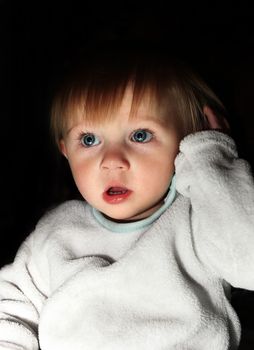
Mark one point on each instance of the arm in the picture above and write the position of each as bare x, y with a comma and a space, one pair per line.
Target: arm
221, 190
20, 302
51, 255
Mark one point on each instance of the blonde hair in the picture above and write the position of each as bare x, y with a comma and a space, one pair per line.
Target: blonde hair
95, 88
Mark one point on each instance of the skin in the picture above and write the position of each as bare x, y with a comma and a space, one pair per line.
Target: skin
215, 122
146, 169
116, 160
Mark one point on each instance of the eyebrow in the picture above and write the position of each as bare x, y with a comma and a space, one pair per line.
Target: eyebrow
69, 130
149, 118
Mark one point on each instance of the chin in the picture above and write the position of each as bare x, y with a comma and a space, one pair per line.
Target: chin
118, 216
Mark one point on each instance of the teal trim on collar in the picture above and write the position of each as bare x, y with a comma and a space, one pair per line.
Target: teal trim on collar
136, 225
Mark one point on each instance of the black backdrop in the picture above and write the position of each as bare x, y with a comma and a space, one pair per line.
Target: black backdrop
216, 38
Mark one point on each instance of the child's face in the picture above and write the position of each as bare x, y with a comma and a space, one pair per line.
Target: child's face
124, 166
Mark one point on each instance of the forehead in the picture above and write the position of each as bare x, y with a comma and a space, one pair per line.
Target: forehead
138, 106
143, 106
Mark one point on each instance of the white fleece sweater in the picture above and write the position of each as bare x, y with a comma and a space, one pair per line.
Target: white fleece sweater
76, 285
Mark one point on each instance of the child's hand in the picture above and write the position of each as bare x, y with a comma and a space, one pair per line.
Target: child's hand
215, 122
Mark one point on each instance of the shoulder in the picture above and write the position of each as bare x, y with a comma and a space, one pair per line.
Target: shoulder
67, 216
64, 213
53, 235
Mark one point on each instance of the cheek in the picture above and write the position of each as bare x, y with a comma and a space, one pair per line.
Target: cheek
82, 173
157, 171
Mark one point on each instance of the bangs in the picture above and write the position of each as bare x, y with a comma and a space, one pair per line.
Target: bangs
95, 90
100, 104
96, 96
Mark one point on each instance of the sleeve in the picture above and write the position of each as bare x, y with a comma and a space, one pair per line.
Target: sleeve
220, 187
20, 302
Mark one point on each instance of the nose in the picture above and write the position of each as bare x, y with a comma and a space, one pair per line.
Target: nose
115, 159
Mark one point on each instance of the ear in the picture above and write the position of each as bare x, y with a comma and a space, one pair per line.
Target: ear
63, 148
216, 122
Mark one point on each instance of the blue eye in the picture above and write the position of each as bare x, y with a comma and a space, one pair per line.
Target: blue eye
142, 136
89, 140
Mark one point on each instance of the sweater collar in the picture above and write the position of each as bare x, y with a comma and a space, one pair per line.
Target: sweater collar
140, 224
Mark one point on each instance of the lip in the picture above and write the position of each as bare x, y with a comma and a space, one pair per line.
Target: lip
116, 194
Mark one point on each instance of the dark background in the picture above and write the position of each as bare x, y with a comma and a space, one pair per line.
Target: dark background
216, 38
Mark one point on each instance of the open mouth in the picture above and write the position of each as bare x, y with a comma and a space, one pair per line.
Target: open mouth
114, 195
112, 191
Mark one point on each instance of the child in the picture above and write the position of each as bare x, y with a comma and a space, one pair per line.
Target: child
167, 225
